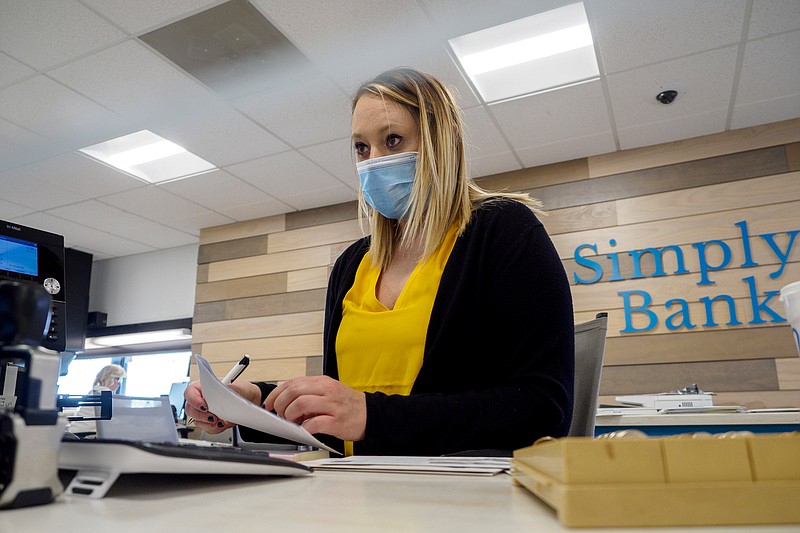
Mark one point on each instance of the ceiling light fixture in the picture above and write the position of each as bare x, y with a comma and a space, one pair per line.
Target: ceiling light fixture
541, 52
144, 337
149, 157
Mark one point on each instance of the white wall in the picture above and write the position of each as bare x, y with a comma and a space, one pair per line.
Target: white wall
145, 287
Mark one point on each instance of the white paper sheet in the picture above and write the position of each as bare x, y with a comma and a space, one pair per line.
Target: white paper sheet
228, 405
467, 466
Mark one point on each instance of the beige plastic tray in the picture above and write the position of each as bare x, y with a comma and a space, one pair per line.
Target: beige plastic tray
666, 481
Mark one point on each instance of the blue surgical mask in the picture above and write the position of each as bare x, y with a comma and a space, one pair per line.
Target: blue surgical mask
386, 183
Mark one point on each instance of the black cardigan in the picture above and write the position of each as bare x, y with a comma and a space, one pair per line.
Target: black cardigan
498, 366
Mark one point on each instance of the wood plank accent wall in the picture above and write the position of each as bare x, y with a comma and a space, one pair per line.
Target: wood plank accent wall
261, 283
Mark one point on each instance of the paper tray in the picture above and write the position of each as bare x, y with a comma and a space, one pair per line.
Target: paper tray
668, 481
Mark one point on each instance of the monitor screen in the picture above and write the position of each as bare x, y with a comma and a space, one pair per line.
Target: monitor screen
176, 397
21, 257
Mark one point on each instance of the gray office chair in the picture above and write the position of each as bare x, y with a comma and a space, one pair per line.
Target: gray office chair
590, 343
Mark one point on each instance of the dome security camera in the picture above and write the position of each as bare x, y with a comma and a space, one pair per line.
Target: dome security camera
666, 97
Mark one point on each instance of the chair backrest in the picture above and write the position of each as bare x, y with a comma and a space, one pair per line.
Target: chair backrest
590, 343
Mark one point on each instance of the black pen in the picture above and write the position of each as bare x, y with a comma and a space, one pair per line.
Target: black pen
236, 371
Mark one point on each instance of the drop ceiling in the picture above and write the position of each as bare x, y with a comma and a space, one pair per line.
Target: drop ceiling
77, 72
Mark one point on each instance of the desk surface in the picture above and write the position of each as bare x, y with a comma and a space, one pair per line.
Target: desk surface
324, 501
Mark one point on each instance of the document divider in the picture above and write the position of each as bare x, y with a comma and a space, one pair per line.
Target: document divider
667, 481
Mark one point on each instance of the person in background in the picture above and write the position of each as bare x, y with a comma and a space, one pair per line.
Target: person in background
109, 378
450, 328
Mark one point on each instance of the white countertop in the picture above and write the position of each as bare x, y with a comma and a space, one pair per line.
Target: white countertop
324, 501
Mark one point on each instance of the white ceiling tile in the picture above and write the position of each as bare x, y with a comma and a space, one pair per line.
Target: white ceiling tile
43, 33
109, 219
132, 80
217, 190
155, 203
313, 113
672, 129
353, 40
12, 70
337, 158
283, 174
332, 195
632, 33
219, 134
492, 164
34, 193
84, 238
766, 111
10, 210
78, 174
474, 15
148, 13
553, 116
192, 225
19, 146
249, 211
51, 110
759, 79
481, 136
704, 83
567, 149
773, 16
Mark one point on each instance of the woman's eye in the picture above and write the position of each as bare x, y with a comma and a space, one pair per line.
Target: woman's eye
361, 149
393, 140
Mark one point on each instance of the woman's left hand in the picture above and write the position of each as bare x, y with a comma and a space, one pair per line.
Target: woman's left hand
321, 405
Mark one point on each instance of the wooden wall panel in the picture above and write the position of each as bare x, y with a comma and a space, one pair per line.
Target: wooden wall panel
715, 345
703, 147
269, 264
346, 231
788, 373
600, 296
272, 370
793, 155
696, 228
262, 348
309, 278
717, 376
253, 328
721, 197
748, 399
529, 178
722, 169
697, 312
241, 230
261, 283
242, 287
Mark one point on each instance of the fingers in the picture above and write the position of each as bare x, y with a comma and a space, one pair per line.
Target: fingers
321, 405
197, 408
288, 391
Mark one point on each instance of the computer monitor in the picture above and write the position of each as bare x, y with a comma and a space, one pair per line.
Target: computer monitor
176, 398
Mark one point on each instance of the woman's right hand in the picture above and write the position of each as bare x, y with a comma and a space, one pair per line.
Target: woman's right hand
197, 408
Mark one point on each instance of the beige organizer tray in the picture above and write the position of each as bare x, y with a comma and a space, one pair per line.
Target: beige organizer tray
666, 481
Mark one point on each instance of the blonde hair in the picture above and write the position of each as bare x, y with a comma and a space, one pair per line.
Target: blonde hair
107, 375
442, 195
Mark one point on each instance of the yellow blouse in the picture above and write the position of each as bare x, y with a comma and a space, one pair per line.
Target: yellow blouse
380, 349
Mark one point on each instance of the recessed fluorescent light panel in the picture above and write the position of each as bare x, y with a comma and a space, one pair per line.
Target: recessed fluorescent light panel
148, 157
537, 53
145, 337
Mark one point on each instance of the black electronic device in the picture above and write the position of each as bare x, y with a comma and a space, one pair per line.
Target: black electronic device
78, 272
36, 257
30, 426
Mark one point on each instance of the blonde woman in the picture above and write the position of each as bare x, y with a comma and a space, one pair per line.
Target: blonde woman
450, 328
109, 378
